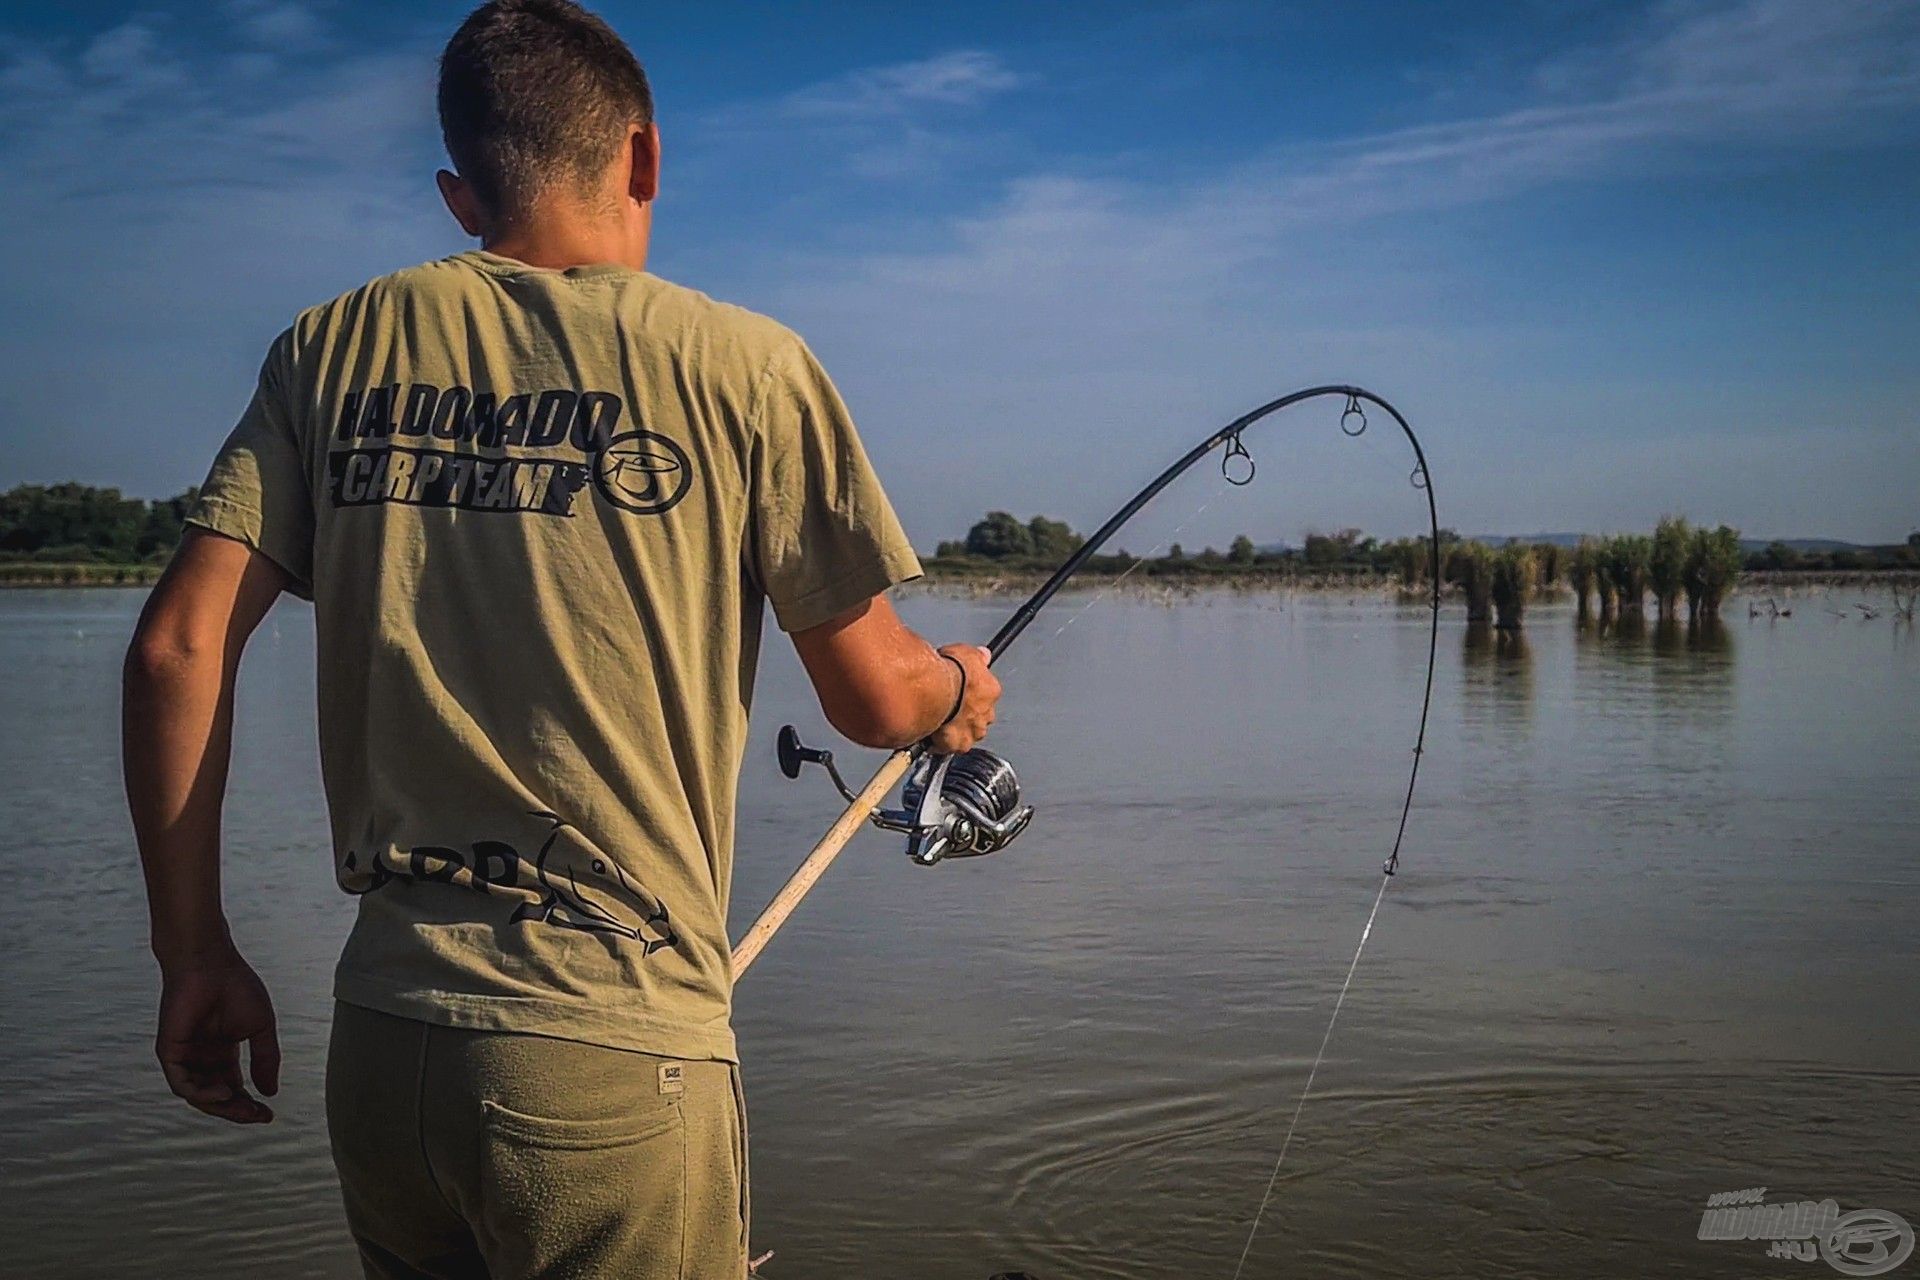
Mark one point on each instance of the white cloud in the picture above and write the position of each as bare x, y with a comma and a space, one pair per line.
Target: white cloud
191, 214
1033, 349
274, 24
888, 123
961, 78
1078, 309
1764, 74
128, 62
123, 51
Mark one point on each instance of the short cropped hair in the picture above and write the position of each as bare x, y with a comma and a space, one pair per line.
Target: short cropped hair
534, 94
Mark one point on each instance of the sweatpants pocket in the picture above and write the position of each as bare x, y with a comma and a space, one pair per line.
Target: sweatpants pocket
567, 1199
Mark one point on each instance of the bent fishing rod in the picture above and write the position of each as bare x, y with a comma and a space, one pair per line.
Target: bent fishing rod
968, 805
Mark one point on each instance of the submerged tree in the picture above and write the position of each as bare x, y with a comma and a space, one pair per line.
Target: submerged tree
1583, 565
1470, 566
1408, 559
1511, 582
1626, 560
1667, 563
1713, 566
1604, 586
1550, 557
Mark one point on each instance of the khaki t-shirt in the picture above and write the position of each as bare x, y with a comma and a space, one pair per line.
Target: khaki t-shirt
537, 513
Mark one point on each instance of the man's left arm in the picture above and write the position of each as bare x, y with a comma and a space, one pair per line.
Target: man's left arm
177, 731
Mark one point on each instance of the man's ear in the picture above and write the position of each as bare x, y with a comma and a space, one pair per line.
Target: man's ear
643, 183
461, 202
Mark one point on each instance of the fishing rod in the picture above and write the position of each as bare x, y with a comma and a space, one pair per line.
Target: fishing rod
969, 804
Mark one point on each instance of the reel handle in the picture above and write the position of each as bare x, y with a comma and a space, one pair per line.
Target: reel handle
795, 755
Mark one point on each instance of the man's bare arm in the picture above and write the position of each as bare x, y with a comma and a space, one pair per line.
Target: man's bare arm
177, 730
881, 685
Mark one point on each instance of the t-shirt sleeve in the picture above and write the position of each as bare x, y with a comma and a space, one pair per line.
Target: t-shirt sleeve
824, 536
258, 491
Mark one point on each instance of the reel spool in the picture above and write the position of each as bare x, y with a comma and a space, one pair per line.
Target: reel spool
958, 806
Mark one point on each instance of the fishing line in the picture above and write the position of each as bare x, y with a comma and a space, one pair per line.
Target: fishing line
967, 805
1353, 423
1113, 584
1423, 481
1273, 1179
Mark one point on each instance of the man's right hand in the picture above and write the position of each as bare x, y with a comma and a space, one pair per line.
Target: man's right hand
883, 686
970, 723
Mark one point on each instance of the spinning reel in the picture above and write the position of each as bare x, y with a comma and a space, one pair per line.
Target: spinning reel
958, 806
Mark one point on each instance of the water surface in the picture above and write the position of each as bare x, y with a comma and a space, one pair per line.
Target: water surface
1654, 938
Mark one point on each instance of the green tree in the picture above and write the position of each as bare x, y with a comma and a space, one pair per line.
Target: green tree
1176, 552
1583, 569
1242, 550
1713, 567
1333, 548
1053, 540
65, 517
1779, 555
1667, 563
1626, 558
1552, 559
1470, 566
1406, 559
1511, 582
999, 536
166, 521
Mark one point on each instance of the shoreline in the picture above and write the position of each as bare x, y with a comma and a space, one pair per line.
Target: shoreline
1149, 578
984, 582
26, 574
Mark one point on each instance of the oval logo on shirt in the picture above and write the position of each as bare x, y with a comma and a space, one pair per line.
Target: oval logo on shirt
642, 472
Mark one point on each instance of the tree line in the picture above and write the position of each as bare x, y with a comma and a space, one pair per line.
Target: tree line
1609, 575
1002, 540
80, 524
74, 523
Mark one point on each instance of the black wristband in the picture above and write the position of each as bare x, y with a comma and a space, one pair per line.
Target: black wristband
960, 698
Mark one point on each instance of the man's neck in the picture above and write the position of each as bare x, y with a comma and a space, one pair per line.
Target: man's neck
560, 243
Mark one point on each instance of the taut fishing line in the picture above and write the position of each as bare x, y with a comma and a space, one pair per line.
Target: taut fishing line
1115, 583
969, 804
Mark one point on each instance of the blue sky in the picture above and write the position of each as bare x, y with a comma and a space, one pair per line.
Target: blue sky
1612, 259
